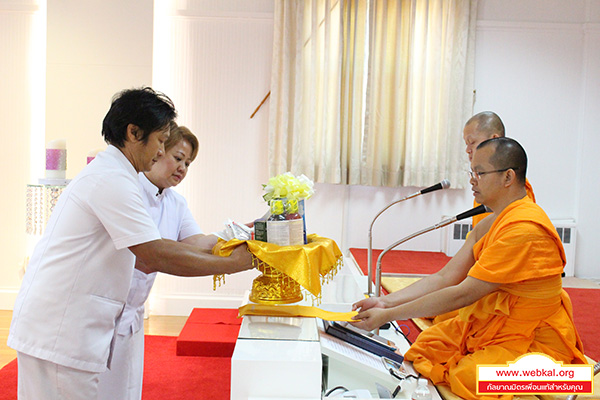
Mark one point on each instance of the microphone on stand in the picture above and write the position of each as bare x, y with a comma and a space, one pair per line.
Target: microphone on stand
445, 184
467, 214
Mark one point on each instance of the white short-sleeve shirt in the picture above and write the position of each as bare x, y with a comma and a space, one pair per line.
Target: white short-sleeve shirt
78, 278
170, 211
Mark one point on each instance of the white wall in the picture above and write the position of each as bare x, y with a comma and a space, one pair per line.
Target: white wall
537, 65
17, 120
529, 68
587, 210
217, 69
94, 49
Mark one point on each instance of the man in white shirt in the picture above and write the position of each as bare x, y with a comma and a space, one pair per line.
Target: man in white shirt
77, 281
172, 216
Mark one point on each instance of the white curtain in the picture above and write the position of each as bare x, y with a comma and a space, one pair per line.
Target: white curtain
305, 90
372, 93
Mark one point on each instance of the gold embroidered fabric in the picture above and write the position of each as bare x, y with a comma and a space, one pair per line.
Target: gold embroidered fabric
309, 265
295, 311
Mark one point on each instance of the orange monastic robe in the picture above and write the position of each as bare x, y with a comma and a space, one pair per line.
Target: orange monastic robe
476, 219
479, 217
529, 312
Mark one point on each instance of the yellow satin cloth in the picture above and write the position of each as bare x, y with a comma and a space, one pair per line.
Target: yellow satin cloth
528, 313
295, 311
310, 265
530, 194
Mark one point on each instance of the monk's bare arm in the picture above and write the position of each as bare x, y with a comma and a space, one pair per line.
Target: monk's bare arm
444, 300
454, 272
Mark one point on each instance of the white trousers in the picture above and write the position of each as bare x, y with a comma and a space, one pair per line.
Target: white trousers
44, 380
123, 380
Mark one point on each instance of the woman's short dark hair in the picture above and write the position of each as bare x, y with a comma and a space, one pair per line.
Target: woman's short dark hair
143, 107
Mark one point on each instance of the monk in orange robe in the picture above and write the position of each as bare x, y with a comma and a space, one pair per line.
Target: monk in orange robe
505, 281
479, 128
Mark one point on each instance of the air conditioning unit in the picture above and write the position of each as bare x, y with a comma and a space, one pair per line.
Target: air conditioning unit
456, 233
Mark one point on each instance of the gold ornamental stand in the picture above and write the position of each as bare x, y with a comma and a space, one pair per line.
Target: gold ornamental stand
274, 287
288, 272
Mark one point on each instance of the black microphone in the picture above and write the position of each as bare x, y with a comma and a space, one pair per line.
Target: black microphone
467, 214
445, 184
473, 211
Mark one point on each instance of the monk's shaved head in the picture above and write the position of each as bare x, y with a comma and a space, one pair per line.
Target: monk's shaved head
487, 123
508, 153
480, 127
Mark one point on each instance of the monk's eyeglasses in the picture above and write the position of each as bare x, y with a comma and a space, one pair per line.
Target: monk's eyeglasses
477, 175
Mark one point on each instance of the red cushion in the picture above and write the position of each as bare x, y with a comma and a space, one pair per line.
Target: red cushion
214, 316
209, 332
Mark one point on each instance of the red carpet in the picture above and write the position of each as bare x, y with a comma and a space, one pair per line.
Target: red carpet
8, 381
403, 262
585, 301
166, 376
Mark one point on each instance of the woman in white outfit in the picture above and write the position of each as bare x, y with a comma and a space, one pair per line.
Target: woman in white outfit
174, 220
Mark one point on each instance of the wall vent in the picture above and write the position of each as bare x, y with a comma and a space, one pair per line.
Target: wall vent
461, 230
455, 236
567, 231
564, 234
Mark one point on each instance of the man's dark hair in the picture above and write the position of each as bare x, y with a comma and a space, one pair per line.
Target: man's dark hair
143, 107
508, 153
488, 122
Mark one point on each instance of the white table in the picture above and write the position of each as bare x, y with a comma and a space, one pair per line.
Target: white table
293, 358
